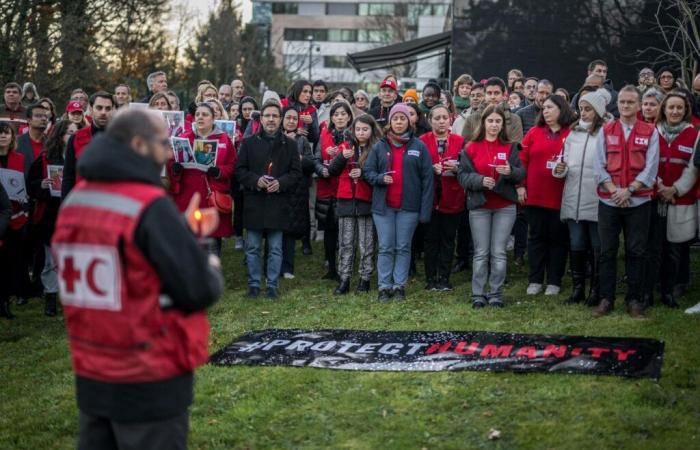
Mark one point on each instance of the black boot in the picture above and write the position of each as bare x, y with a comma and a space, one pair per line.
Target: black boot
343, 288
5, 310
363, 286
50, 305
594, 294
578, 274
669, 300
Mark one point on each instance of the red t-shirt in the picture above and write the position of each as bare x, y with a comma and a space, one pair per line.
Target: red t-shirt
394, 191
541, 152
37, 147
486, 155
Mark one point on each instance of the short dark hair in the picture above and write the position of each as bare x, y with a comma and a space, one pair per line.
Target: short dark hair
320, 83
130, 123
271, 104
102, 94
519, 80
32, 107
596, 62
545, 82
631, 88
535, 79
13, 84
477, 86
496, 81
566, 115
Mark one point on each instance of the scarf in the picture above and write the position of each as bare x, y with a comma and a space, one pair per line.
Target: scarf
671, 132
462, 103
396, 140
424, 108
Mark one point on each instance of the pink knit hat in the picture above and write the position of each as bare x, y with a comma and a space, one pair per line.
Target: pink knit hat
399, 108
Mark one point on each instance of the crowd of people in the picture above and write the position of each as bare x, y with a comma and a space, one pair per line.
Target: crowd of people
457, 177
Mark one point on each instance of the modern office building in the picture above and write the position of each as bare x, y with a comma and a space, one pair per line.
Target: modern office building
312, 39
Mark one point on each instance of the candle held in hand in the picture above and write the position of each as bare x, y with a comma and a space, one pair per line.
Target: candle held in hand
198, 218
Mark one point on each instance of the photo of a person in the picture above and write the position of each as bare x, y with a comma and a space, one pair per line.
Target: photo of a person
205, 152
182, 150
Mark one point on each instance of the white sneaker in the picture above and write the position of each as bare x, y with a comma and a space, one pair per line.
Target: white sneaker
693, 309
511, 244
534, 289
288, 276
552, 290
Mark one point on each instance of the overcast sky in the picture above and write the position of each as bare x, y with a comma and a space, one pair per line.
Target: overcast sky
204, 6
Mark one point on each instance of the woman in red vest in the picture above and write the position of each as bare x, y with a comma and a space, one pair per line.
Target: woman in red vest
354, 204
13, 265
674, 219
213, 183
541, 192
490, 170
651, 100
333, 141
439, 235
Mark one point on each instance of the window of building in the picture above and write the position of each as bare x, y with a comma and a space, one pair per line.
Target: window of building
311, 9
374, 36
341, 9
339, 35
376, 9
416, 11
302, 34
285, 8
336, 62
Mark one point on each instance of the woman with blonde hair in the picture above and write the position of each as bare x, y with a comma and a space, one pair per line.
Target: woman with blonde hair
462, 89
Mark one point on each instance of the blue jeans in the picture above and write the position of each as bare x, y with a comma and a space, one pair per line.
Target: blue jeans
253, 254
394, 231
581, 233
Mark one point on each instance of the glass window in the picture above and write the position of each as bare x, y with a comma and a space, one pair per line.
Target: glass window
341, 9
336, 62
339, 35
302, 34
312, 9
285, 8
376, 9
374, 36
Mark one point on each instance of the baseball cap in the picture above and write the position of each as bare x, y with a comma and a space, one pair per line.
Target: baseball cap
73, 107
389, 83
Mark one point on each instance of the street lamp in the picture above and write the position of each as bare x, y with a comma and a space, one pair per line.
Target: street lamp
310, 38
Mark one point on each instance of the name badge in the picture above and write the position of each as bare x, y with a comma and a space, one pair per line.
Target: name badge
641, 141
551, 164
502, 156
415, 153
613, 140
685, 149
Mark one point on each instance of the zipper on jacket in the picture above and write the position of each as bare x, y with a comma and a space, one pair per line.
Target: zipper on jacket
580, 178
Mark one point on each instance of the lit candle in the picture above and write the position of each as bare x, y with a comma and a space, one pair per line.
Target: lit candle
198, 218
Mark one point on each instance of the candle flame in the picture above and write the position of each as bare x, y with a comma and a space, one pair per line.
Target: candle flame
198, 215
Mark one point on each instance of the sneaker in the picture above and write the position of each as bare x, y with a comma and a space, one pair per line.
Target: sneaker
253, 292
240, 243
636, 310
444, 286
534, 289
693, 309
272, 293
496, 302
399, 294
478, 302
288, 276
511, 244
384, 295
430, 285
552, 290
604, 308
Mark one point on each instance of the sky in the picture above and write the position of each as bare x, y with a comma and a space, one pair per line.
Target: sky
204, 6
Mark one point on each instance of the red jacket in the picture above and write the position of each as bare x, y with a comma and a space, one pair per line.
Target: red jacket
191, 180
541, 150
626, 159
449, 195
81, 139
485, 156
350, 189
327, 187
117, 329
308, 110
674, 158
19, 217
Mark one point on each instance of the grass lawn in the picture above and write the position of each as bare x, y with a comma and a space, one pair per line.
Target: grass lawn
286, 407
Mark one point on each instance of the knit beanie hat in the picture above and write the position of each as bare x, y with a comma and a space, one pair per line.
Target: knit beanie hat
270, 95
410, 93
399, 108
597, 100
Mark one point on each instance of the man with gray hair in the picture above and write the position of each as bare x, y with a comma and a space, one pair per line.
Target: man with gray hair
237, 91
156, 82
134, 284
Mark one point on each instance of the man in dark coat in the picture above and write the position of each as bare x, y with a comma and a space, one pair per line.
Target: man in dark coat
268, 169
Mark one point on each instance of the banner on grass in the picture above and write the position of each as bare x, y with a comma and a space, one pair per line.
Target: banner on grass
440, 350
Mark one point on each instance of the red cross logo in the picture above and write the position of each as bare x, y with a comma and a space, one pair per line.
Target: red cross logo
70, 274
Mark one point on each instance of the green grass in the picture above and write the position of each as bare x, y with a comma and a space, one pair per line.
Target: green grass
284, 407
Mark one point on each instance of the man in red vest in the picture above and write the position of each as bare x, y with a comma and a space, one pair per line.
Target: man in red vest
134, 284
103, 106
626, 167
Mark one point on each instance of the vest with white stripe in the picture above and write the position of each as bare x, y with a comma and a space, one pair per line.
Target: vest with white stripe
674, 157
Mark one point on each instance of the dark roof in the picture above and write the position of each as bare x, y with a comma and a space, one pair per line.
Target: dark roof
399, 54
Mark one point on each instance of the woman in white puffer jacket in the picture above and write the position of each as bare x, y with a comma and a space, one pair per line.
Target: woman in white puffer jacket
579, 207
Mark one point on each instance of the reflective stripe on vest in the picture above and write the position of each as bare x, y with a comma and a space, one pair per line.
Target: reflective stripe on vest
102, 200
683, 162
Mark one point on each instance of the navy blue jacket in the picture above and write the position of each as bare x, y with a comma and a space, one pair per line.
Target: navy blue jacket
417, 194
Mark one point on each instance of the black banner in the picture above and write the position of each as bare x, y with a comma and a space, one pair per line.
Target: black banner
441, 350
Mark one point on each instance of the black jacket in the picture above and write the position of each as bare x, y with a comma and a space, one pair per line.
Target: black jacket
263, 211
299, 201
381, 114
5, 211
45, 226
69, 169
166, 241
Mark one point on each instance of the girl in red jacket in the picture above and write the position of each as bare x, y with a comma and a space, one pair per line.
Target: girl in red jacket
213, 184
444, 148
333, 141
354, 204
541, 192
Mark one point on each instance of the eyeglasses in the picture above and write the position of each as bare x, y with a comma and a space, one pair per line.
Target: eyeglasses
646, 74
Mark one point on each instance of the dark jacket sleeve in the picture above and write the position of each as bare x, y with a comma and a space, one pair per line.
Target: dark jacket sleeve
244, 175
467, 175
696, 158
5, 211
371, 171
314, 129
337, 165
167, 243
517, 171
292, 176
36, 176
308, 165
318, 161
428, 185
69, 168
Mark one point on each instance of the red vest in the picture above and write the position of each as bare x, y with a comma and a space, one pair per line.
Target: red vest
674, 158
451, 199
19, 216
327, 187
117, 330
81, 139
350, 189
626, 159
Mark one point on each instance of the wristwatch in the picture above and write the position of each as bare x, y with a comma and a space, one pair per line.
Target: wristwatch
632, 189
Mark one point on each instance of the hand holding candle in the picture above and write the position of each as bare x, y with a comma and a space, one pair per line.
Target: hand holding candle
203, 221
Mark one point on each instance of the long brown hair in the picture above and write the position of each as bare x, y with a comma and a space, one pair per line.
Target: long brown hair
686, 101
4, 128
376, 134
480, 134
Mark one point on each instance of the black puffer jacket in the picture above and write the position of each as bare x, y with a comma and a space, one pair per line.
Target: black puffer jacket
299, 199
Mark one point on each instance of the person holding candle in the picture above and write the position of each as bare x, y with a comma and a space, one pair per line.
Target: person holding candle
213, 184
449, 199
334, 139
399, 169
541, 192
579, 205
299, 98
354, 210
490, 169
269, 169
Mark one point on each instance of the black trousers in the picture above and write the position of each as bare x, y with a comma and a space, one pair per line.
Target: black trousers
288, 253
330, 238
100, 433
238, 213
465, 245
663, 257
520, 234
634, 223
547, 245
440, 245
